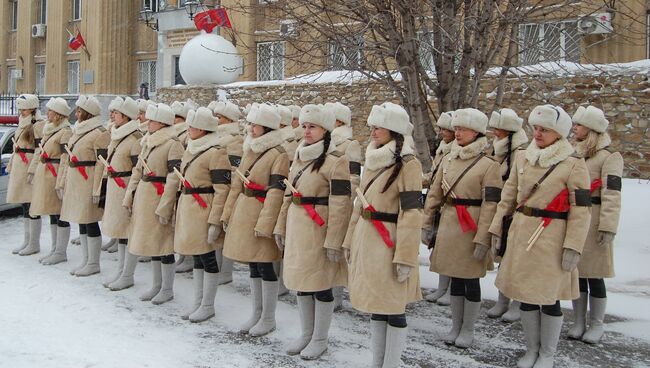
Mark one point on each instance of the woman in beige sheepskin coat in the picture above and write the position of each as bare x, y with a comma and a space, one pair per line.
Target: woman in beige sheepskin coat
26, 139
384, 270
539, 273
597, 260
251, 213
313, 262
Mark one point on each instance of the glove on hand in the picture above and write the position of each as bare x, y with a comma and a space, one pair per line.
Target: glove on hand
605, 238
403, 272
279, 241
570, 259
213, 233
334, 255
480, 251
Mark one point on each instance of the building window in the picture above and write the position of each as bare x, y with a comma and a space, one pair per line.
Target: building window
647, 39
42, 14
76, 9
346, 54
426, 51
178, 78
14, 15
147, 74
11, 80
557, 41
40, 79
73, 77
270, 60
151, 4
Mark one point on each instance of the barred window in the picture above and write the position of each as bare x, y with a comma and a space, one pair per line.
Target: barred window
557, 41
11, 80
76, 9
14, 15
42, 12
270, 60
40, 79
147, 74
73, 77
426, 50
346, 54
150, 4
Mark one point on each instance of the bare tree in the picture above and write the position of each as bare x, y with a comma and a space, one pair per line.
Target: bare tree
439, 49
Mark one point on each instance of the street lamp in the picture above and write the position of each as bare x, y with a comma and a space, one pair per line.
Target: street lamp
146, 14
191, 7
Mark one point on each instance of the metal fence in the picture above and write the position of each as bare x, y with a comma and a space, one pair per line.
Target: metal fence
8, 105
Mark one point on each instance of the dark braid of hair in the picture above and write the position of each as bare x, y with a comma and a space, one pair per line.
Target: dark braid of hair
508, 157
266, 130
399, 142
33, 116
321, 159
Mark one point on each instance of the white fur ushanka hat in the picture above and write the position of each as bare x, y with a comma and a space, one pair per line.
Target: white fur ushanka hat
392, 117
551, 117
470, 118
591, 117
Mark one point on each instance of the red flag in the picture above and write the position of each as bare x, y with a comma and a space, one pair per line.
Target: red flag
209, 19
381, 228
196, 196
254, 186
119, 181
160, 188
465, 219
597, 183
82, 170
49, 165
75, 42
311, 211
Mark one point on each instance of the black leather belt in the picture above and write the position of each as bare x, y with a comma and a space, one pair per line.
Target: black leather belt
536, 212
24, 150
595, 200
254, 193
154, 179
202, 190
119, 174
322, 201
82, 163
464, 202
50, 160
379, 216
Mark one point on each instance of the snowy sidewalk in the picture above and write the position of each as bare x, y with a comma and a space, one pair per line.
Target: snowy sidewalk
51, 319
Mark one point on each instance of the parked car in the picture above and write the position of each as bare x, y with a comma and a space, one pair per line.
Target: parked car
7, 148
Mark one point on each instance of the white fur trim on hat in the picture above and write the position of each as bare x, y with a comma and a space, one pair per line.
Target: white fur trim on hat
392, 117
27, 102
89, 104
128, 107
295, 111
144, 104
264, 115
470, 118
285, 115
506, 119
180, 109
117, 101
161, 113
202, 119
591, 117
551, 117
444, 120
342, 113
212, 105
227, 109
319, 115
58, 105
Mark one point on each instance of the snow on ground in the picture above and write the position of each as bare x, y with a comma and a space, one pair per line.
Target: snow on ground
51, 319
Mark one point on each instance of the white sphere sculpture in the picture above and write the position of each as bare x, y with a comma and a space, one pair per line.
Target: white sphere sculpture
209, 59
